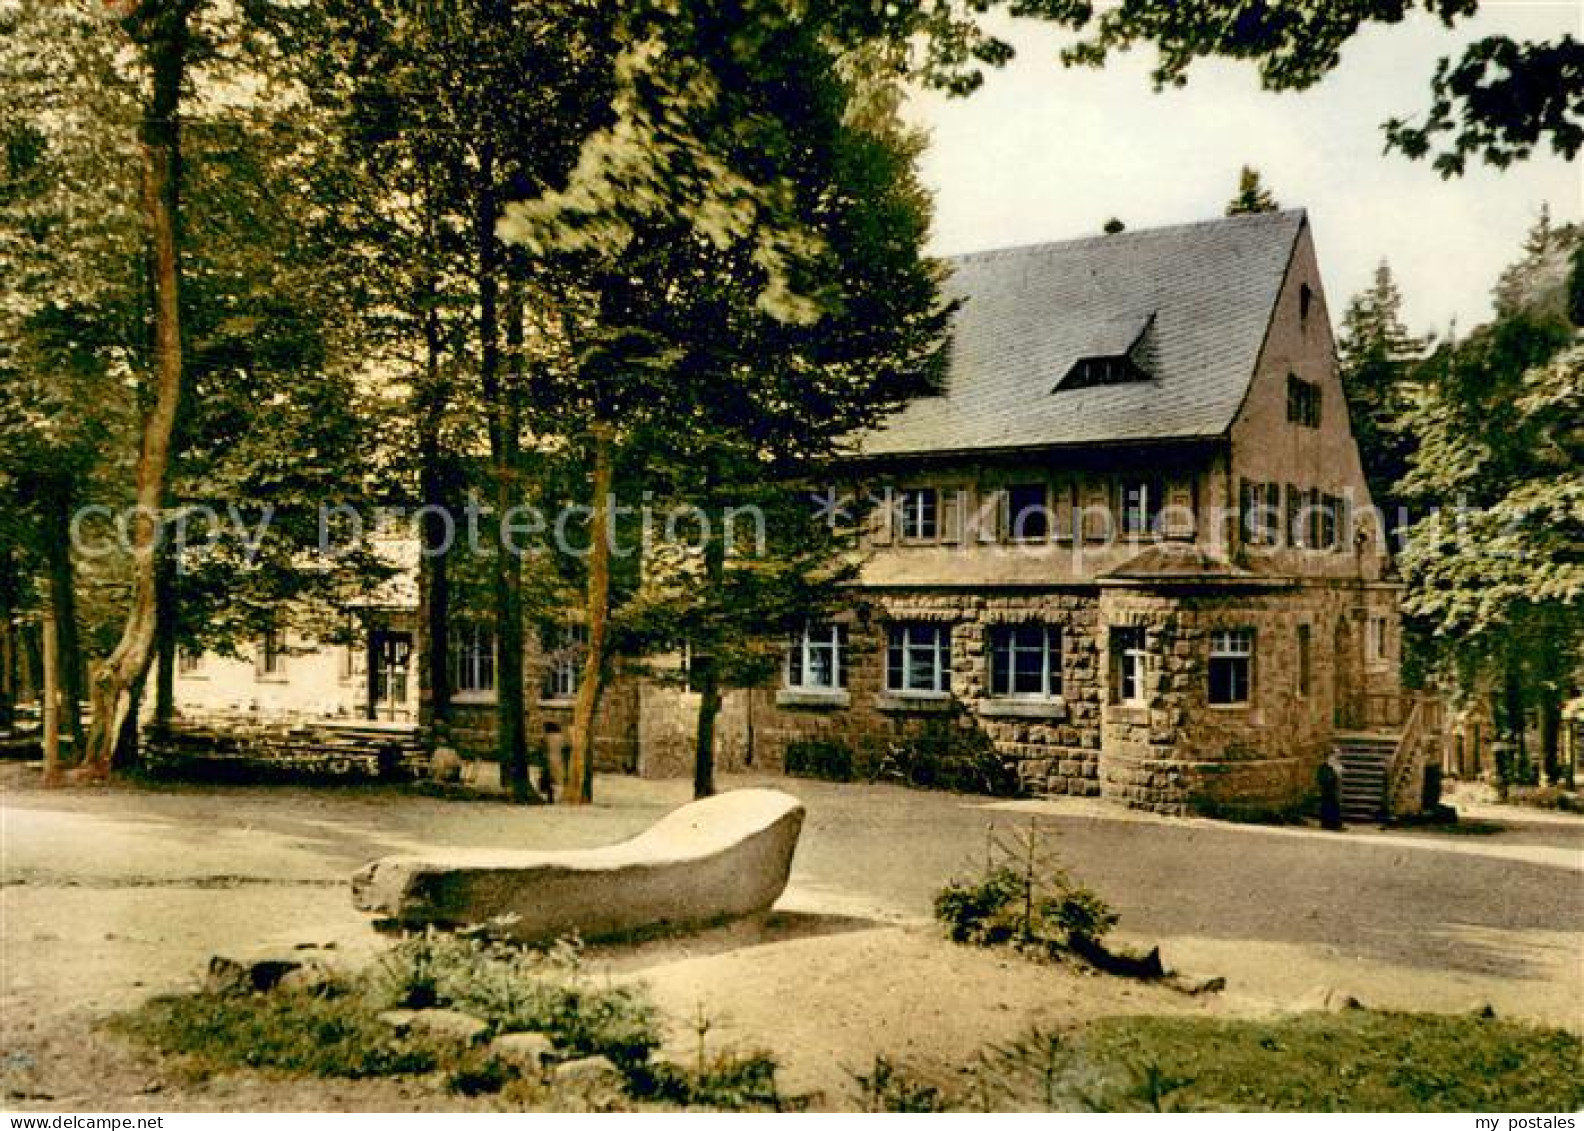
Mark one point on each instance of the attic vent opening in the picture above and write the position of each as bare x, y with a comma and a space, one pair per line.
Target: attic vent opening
1116, 351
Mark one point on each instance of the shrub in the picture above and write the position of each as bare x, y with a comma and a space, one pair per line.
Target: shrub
984, 913
517, 990
732, 1082
821, 758
1024, 899
944, 754
1004, 907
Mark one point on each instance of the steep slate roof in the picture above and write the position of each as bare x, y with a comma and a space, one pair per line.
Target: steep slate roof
1029, 313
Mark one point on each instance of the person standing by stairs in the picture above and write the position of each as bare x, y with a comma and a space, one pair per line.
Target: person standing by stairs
1330, 779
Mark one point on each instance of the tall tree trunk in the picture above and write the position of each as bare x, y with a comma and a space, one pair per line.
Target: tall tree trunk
1551, 735
707, 666
166, 631
127, 754
160, 29
500, 404
1512, 723
511, 685
49, 703
434, 487
434, 570
580, 762
10, 599
57, 499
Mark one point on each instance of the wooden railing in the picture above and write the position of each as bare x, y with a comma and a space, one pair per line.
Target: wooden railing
1421, 733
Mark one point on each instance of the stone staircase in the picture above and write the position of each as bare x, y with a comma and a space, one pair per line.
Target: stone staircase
1365, 759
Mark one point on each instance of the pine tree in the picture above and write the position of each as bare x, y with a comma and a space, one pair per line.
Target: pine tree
1252, 195
1377, 356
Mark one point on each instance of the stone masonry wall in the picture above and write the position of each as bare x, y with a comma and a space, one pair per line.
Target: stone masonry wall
1179, 752
1176, 754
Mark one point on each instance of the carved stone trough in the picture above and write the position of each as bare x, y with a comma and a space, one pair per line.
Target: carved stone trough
721, 858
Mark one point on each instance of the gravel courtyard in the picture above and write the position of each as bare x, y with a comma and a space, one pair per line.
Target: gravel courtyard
107, 896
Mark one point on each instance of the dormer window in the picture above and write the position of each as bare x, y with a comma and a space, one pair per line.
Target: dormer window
1088, 372
1113, 351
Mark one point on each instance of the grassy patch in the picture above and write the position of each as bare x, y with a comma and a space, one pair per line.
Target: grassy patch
1314, 1062
297, 1034
1355, 1061
336, 1031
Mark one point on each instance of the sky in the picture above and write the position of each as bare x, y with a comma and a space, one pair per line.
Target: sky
1042, 152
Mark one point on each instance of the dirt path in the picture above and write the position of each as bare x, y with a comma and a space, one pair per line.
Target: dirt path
108, 896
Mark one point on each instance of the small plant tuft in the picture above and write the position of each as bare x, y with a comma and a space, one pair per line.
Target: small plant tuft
890, 1087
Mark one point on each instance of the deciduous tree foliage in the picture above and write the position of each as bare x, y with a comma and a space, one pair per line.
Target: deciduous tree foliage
1498, 102
269, 422
463, 108
749, 311
1497, 576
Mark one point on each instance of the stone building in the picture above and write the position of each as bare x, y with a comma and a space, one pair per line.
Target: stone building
1130, 543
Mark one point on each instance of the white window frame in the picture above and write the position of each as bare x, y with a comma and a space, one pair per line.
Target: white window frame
471, 660
909, 639
1130, 662
1231, 646
1004, 637
1376, 649
565, 668
803, 650
919, 509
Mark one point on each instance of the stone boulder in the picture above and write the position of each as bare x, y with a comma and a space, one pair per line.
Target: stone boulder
445, 765
523, 1050
588, 1071
447, 1024
303, 968
721, 858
